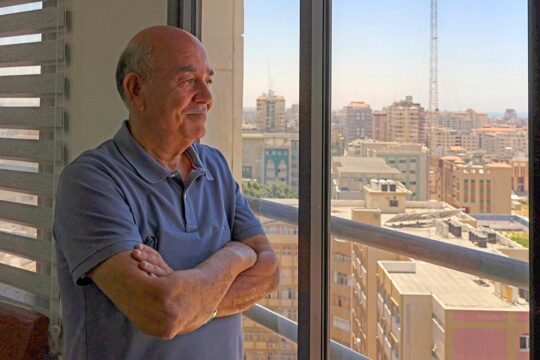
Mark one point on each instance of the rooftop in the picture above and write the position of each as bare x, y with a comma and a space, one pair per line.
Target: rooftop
452, 288
363, 165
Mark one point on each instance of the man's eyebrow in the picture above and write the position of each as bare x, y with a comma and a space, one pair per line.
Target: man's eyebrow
189, 68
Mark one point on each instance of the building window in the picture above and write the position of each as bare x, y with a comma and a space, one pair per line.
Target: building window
341, 278
394, 203
524, 342
342, 324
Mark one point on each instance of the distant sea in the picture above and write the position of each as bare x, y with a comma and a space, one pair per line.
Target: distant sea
521, 115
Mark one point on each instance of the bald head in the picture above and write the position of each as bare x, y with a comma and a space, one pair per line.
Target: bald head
147, 49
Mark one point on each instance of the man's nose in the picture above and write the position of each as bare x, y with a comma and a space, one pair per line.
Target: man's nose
203, 95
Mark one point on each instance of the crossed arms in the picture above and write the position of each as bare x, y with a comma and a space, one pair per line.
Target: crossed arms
166, 303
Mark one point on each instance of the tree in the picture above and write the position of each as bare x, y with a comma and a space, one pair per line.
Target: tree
277, 191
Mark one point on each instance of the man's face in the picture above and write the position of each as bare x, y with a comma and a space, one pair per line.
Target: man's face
177, 94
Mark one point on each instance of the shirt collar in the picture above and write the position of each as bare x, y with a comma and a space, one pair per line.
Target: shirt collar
145, 165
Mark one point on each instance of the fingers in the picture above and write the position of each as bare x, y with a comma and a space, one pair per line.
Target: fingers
152, 270
150, 260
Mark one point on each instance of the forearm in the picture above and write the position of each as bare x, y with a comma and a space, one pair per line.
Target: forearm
212, 279
251, 285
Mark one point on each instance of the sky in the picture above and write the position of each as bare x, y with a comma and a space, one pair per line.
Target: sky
380, 52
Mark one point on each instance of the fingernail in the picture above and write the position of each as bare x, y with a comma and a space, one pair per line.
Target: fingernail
136, 252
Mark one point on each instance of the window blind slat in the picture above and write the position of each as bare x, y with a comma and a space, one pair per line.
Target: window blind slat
30, 117
26, 214
30, 22
31, 54
30, 85
33, 183
31, 248
29, 150
35, 283
24, 298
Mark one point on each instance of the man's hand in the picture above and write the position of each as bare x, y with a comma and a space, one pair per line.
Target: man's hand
153, 264
150, 261
259, 277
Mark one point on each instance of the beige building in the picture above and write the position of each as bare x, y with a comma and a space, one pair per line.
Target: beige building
380, 125
459, 120
387, 195
271, 113
520, 174
411, 159
429, 312
504, 142
404, 121
475, 188
351, 173
442, 139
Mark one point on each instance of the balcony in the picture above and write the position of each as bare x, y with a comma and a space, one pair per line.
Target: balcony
396, 327
483, 264
363, 299
380, 333
387, 347
380, 304
387, 313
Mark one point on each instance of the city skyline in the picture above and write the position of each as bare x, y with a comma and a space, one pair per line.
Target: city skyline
482, 53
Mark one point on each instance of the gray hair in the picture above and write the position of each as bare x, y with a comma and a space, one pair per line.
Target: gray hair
137, 58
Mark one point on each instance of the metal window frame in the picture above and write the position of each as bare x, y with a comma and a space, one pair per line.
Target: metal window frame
534, 173
314, 184
185, 14
315, 81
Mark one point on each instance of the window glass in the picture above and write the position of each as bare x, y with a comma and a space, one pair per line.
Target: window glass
429, 138
270, 145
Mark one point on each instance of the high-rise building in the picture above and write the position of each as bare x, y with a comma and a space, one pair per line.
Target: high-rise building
405, 122
503, 141
412, 159
380, 125
271, 113
459, 120
357, 121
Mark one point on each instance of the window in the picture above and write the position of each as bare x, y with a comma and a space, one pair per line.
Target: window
342, 324
524, 342
394, 203
341, 278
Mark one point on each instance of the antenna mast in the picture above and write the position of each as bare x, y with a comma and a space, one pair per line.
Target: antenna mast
434, 61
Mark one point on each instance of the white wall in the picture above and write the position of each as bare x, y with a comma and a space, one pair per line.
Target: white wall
222, 29
100, 29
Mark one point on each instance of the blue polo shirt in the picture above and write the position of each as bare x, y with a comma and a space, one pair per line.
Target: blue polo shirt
116, 196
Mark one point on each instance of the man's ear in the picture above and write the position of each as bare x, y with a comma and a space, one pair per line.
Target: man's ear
133, 89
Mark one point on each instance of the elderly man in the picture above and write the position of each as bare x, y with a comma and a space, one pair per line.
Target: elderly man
158, 252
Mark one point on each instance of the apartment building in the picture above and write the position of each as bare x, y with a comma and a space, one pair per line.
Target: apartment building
429, 312
271, 113
503, 141
520, 174
357, 121
271, 158
412, 159
403, 121
475, 188
441, 140
458, 120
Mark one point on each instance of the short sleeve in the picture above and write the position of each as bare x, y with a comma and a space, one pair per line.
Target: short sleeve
92, 219
245, 223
